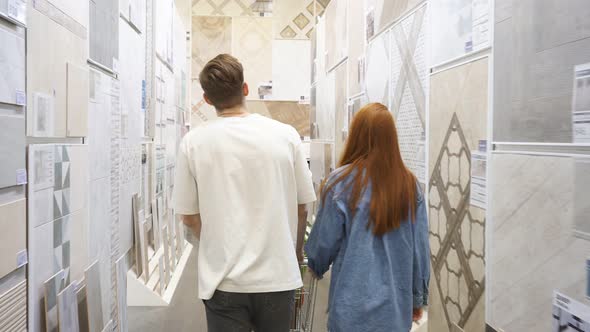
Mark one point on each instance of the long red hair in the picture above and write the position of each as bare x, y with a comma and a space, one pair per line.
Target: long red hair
373, 155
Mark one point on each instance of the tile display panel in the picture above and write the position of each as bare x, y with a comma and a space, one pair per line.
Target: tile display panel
13, 305
211, 35
290, 69
134, 12
58, 222
386, 12
17, 10
534, 62
340, 108
293, 19
104, 32
378, 72
459, 28
325, 108
356, 46
252, 45
12, 64
532, 235
13, 222
99, 125
409, 87
164, 14
458, 105
49, 28
222, 7
337, 29
99, 248
288, 112
53, 286
12, 145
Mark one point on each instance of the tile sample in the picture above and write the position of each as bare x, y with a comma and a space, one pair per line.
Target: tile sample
67, 309
533, 68
341, 108
161, 282
167, 264
337, 29
14, 10
12, 145
459, 28
458, 105
77, 84
13, 222
100, 248
378, 73
408, 88
77, 10
164, 14
322, 161
356, 46
533, 217
290, 70
122, 268
13, 303
222, 7
12, 64
287, 112
96, 321
293, 19
134, 12
325, 116
99, 125
47, 71
143, 239
104, 33
137, 230
211, 35
252, 45
53, 286
386, 11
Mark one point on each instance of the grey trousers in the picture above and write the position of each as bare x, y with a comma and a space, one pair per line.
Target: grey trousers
245, 312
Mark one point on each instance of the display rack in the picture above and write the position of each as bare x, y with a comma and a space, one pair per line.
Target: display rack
140, 293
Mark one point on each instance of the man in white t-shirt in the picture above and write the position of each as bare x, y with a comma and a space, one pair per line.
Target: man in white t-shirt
241, 184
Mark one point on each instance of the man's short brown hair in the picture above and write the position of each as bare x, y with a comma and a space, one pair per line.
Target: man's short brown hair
222, 80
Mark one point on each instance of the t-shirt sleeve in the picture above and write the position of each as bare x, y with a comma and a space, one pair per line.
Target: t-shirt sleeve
186, 197
305, 191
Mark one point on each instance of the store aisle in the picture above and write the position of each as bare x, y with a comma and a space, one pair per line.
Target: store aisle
185, 313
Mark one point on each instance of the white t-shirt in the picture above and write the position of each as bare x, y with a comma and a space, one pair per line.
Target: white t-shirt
245, 176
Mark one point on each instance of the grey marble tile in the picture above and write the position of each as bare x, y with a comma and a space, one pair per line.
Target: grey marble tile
12, 64
53, 286
12, 145
536, 47
94, 298
532, 238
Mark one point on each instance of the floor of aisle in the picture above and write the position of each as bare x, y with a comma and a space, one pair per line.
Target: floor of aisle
186, 313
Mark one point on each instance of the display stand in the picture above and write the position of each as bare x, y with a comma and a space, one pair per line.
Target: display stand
142, 294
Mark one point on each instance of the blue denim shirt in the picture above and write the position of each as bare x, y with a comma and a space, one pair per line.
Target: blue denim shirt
376, 280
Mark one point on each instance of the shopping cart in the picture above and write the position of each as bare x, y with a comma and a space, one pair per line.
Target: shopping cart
305, 297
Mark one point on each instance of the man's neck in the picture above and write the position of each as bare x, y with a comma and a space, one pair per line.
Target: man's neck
237, 111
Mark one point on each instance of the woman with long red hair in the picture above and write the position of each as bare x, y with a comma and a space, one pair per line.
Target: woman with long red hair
373, 229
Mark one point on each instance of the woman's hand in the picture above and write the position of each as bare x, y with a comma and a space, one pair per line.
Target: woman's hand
417, 314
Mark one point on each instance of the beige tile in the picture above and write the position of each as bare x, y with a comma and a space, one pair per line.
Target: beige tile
77, 100
211, 35
13, 218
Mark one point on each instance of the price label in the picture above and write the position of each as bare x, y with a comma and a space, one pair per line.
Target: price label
21, 176
21, 98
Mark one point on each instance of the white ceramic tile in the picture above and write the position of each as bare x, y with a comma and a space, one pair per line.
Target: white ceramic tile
337, 29
99, 128
12, 64
290, 69
13, 222
77, 100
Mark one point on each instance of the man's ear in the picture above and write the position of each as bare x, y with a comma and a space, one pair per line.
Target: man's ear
246, 90
207, 100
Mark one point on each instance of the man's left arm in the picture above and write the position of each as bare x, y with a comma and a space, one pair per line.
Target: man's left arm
186, 194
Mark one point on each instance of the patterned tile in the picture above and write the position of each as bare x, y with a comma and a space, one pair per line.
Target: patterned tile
211, 36
409, 75
222, 7
293, 19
